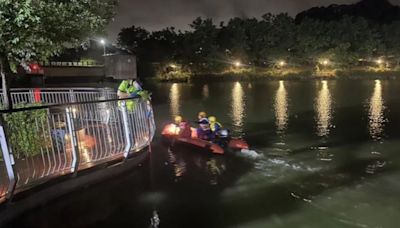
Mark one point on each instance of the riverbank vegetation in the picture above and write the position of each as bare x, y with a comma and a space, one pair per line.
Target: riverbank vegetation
270, 46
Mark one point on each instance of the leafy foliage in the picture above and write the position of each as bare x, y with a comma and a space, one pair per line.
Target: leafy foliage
37, 29
211, 48
27, 131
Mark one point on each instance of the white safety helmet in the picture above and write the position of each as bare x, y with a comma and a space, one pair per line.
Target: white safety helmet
136, 85
223, 133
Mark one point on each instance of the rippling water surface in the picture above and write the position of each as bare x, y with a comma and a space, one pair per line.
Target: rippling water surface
330, 158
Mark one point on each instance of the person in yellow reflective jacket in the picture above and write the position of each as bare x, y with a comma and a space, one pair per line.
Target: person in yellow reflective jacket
215, 126
130, 89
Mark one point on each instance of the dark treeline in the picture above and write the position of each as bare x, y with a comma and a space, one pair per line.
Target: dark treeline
263, 42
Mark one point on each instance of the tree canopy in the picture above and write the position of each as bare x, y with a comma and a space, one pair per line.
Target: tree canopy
38, 29
265, 41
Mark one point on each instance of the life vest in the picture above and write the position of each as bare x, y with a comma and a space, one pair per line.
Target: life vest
133, 88
215, 126
130, 86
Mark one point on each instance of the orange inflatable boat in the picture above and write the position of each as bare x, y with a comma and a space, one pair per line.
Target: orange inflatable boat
172, 133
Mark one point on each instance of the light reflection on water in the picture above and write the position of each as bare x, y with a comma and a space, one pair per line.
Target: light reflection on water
178, 163
182, 161
281, 108
174, 97
238, 108
205, 91
376, 112
323, 108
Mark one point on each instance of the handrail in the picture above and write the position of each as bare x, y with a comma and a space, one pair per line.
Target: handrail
58, 95
59, 88
68, 140
61, 105
88, 63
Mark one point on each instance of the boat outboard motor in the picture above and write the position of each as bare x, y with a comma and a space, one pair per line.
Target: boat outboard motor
223, 133
222, 137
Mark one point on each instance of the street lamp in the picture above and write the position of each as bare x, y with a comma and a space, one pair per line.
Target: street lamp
238, 64
325, 62
103, 42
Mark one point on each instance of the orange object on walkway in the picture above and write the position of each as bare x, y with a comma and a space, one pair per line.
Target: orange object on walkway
37, 96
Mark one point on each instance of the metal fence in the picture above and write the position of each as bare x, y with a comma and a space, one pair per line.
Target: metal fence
3, 180
59, 95
87, 63
40, 143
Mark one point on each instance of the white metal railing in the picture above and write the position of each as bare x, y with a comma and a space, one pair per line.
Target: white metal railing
59, 95
69, 138
87, 63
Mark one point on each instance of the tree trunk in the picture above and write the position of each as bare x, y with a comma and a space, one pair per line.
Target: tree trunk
5, 73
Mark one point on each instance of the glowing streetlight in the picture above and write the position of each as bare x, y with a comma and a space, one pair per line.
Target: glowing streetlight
238, 64
325, 62
103, 42
379, 61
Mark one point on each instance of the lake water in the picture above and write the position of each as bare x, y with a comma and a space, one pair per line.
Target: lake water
330, 158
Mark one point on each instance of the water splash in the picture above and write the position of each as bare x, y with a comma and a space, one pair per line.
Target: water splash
155, 220
251, 154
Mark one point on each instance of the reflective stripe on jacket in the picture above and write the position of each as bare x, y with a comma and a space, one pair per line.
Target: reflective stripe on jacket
216, 126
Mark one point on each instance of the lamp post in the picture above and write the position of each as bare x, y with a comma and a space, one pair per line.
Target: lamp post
103, 42
379, 62
237, 64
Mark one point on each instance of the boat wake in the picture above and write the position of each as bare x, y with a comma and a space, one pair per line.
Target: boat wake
251, 154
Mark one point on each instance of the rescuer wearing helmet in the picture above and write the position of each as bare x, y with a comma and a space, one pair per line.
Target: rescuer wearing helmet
218, 134
215, 126
131, 89
178, 120
203, 131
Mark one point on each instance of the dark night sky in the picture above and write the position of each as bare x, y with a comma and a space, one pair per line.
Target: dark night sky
157, 14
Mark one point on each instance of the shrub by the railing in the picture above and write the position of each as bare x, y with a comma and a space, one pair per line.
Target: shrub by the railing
27, 131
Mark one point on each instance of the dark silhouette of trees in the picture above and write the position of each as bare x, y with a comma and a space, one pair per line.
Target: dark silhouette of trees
344, 39
381, 11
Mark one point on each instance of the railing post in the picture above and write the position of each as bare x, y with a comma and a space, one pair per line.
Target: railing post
72, 96
150, 121
74, 141
8, 160
106, 93
31, 96
127, 130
